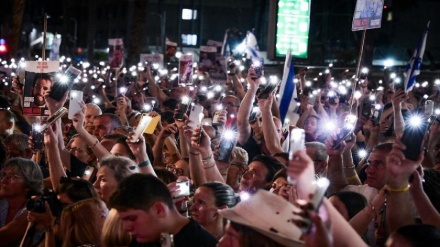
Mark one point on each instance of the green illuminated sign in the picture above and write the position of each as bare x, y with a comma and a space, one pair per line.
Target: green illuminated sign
292, 27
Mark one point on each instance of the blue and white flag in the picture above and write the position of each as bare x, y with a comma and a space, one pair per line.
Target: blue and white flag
252, 49
288, 94
415, 63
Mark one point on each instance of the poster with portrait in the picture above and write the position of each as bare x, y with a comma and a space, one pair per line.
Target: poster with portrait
217, 44
115, 53
367, 14
185, 69
151, 59
39, 78
213, 63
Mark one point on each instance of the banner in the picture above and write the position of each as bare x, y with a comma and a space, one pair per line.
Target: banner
367, 15
39, 78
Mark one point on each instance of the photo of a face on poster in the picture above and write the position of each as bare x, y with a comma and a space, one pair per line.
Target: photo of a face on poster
185, 69
116, 53
39, 78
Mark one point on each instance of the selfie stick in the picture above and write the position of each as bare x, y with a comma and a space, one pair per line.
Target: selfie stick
358, 67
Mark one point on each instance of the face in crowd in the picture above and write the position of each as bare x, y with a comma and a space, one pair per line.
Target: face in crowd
102, 126
255, 177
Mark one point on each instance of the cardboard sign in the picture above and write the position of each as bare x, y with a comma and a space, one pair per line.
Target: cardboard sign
152, 59
39, 78
186, 69
367, 15
116, 53
212, 63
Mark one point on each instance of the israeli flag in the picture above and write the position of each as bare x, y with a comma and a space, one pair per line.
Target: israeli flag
252, 47
288, 94
415, 63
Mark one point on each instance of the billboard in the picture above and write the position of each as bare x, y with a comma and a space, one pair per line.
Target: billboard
289, 22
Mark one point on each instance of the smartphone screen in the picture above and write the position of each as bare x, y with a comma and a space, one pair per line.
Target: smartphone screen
183, 107
90, 173
413, 137
195, 116
267, 90
140, 128
74, 102
183, 187
37, 138
321, 186
227, 144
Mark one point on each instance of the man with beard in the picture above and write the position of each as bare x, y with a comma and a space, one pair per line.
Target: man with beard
42, 84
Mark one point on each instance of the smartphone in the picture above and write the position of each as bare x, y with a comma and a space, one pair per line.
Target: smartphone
183, 107
140, 128
37, 137
74, 102
258, 67
297, 143
183, 187
227, 144
311, 99
366, 108
429, 108
267, 90
398, 86
195, 116
376, 116
64, 83
346, 131
413, 139
321, 186
90, 173
254, 114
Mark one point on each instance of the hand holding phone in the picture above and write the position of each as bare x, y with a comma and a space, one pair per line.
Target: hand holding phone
321, 186
183, 188
195, 116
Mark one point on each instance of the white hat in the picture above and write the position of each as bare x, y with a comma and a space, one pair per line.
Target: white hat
268, 214
170, 43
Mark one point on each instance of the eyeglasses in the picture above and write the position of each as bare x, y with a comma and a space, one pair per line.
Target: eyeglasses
10, 176
75, 149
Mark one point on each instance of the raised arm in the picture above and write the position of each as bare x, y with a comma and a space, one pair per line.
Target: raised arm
244, 129
78, 122
399, 205
139, 151
271, 136
56, 170
397, 99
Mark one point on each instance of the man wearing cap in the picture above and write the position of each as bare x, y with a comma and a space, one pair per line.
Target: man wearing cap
147, 212
260, 174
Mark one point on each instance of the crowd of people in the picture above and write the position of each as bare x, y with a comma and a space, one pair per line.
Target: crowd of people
96, 183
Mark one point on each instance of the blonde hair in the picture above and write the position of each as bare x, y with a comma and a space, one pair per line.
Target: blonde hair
81, 222
113, 233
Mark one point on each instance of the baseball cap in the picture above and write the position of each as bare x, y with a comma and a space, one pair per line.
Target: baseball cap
268, 214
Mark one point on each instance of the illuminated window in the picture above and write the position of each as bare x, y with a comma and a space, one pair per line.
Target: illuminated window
189, 39
189, 14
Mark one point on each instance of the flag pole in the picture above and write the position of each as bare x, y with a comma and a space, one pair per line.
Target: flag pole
43, 52
358, 67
